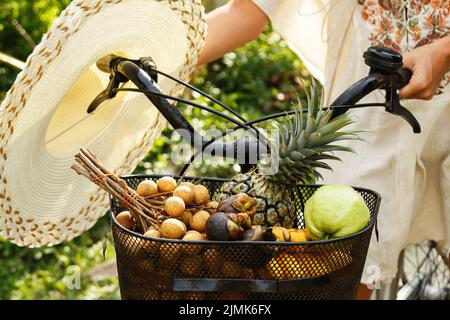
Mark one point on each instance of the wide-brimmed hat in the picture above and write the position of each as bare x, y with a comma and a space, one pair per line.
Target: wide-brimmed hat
44, 119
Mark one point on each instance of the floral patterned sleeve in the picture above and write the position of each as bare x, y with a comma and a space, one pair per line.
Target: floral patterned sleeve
407, 24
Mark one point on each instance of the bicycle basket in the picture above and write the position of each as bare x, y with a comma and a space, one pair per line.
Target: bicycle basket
175, 269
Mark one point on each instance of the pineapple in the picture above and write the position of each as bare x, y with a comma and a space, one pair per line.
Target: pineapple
305, 139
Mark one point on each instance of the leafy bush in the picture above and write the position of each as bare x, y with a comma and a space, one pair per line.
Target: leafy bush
52, 272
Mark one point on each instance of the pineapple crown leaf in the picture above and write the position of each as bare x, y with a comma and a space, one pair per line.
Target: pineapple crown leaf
334, 147
298, 115
324, 118
307, 139
312, 98
335, 125
319, 139
325, 156
352, 136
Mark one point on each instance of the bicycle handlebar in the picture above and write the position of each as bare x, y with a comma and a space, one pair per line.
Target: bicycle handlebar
386, 73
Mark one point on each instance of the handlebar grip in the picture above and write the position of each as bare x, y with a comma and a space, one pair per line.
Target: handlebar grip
404, 77
104, 64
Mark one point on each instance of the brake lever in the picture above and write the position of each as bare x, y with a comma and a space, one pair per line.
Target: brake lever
393, 106
389, 64
106, 64
108, 93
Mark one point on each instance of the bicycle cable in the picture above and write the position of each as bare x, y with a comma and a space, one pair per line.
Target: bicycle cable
193, 104
211, 98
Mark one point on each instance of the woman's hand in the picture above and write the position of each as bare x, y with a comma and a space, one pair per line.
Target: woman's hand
429, 64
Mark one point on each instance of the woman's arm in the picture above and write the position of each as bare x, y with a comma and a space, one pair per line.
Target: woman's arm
230, 27
429, 64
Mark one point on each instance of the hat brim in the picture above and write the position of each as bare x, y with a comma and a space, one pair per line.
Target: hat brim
44, 119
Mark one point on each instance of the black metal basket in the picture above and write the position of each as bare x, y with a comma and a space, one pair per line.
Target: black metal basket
176, 269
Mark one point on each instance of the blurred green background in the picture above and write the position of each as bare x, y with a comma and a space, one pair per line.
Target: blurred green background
258, 79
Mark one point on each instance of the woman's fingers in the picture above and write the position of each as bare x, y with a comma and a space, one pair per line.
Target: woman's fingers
417, 82
408, 63
429, 64
420, 85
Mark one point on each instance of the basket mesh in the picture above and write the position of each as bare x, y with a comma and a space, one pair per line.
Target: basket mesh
177, 269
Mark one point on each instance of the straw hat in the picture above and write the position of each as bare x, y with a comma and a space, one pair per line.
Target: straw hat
43, 119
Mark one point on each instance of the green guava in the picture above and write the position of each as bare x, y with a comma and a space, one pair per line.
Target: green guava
335, 211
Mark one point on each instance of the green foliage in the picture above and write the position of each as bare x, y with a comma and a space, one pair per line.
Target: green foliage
50, 273
256, 80
35, 17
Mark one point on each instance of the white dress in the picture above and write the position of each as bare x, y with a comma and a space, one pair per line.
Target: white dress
410, 171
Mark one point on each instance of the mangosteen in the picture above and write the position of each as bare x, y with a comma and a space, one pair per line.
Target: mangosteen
221, 228
238, 203
255, 233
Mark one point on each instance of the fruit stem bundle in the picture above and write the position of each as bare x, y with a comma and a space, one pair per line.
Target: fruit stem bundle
146, 211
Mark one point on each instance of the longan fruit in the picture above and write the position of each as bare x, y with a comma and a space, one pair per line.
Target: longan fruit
166, 184
213, 261
231, 295
198, 221
192, 249
193, 235
231, 269
185, 193
147, 188
172, 229
201, 194
174, 206
125, 219
169, 252
248, 273
152, 234
212, 206
186, 218
191, 266
187, 184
